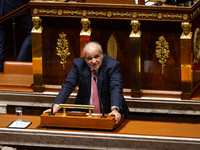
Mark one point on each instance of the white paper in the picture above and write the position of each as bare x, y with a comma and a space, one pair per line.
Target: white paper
19, 124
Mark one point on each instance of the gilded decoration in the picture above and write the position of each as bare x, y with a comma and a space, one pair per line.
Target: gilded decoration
196, 47
62, 49
60, 12
160, 16
186, 26
37, 28
135, 24
162, 51
35, 11
109, 14
185, 16
195, 12
112, 47
67, 12
44, 11
86, 30
134, 15
84, 13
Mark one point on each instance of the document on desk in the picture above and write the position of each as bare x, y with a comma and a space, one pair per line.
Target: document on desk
19, 124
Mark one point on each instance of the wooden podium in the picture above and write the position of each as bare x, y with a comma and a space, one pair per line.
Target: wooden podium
94, 122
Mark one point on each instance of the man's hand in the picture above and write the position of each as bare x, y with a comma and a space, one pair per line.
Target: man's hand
117, 116
55, 109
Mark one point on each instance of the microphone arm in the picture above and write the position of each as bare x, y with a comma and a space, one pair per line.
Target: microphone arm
101, 104
51, 114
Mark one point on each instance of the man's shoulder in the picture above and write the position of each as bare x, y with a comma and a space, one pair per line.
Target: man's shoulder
79, 59
110, 60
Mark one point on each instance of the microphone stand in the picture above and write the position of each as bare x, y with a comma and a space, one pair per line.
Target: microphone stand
51, 114
102, 110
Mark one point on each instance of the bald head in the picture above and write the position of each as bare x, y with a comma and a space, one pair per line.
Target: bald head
93, 55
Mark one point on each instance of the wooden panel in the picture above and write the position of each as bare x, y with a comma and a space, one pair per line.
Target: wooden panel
162, 129
120, 29
53, 72
107, 20
196, 67
111, 1
151, 76
94, 122
6, 119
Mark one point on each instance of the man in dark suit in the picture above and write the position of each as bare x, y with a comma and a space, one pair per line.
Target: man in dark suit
109, 81
23, 19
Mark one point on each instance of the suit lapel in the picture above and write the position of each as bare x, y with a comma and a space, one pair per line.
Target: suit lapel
101, 76
87, 77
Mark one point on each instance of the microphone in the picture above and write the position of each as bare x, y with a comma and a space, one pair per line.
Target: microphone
51, 114
101, 104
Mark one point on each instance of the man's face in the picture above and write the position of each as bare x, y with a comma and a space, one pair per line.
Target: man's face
93, 56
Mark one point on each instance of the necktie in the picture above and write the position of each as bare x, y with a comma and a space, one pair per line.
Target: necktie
95, 97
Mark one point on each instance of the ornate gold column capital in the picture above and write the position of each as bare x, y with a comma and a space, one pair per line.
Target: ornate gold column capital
135, 24
186, 26
86, 30
37, 22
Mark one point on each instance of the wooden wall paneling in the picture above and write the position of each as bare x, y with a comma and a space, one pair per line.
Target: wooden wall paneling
101, 31
120, 29
114, 20
196, 67
151, 76
53, 71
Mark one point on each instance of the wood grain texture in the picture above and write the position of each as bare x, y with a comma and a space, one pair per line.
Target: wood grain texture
53, 72
101, 31
151, 70
83, 122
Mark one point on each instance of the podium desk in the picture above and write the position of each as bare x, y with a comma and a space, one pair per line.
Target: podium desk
131, 134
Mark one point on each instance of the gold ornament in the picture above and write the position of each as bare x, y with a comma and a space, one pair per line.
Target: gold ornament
162, 51
112, 47
62, 49
196, 48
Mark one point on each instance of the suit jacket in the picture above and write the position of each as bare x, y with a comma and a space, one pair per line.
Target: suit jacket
10, 5
109, 84
1, 7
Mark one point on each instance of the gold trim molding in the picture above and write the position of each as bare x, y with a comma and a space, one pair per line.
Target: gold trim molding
62, 49
162, 51
110, 14
196, 47
195, 12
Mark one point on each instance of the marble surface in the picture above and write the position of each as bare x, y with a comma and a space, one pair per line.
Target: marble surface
85, 140
3, 108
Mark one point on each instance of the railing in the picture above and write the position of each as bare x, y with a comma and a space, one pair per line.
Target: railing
15, 12
10, 15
